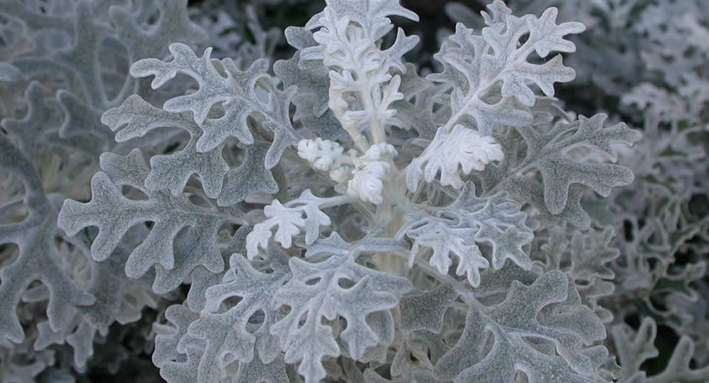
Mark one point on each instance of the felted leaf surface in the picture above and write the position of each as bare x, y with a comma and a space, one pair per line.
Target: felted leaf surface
553, 154
9, 72
548, 312
425, 310
57, 43
231, 333
450, 154
587, 257
184, 370
168, 335
237, 90
117, 299
592, 255
174, 25
311, 77
560, 172
315, 293
416, 377
15, 367
635, 347
202, 279
250, 178
89, 30
80, 119
476, 67
113, 213
679, 367
222, 85
300, 214
136, 117
29, 130
258, 371
206, 345
372, 15
34, 236
459, 228
79, 58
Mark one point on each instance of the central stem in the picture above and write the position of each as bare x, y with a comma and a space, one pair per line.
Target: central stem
375, 126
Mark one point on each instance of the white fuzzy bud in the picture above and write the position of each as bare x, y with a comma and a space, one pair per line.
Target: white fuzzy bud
371, 170
322, 154
367, 183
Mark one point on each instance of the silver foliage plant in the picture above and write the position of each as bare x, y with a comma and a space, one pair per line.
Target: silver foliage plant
344, 215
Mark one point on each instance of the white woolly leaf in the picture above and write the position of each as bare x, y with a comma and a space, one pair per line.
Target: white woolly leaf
231, 333
449, 153
490, 73
460, 228
548, 311
300, 214
135, 118
551, 153
222, 84
114, 214
315, 294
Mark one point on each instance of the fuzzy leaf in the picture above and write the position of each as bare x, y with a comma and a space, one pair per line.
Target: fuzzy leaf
250, 178
310, 77
548, 311
370, 14
316, 294
425, 310
475, 64
449, 153
29, 130
114, 214
230, 333
635, 347
136, 118
459, 228
300, 214
174, 25
36, 259
679, 366
551, 153
9, 73
222, 85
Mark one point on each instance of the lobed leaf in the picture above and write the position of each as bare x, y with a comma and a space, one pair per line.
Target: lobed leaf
548, 311
458, 230
315, 293
114, 214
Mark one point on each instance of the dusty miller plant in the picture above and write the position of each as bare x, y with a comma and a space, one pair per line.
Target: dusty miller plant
640, 52
338, 216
